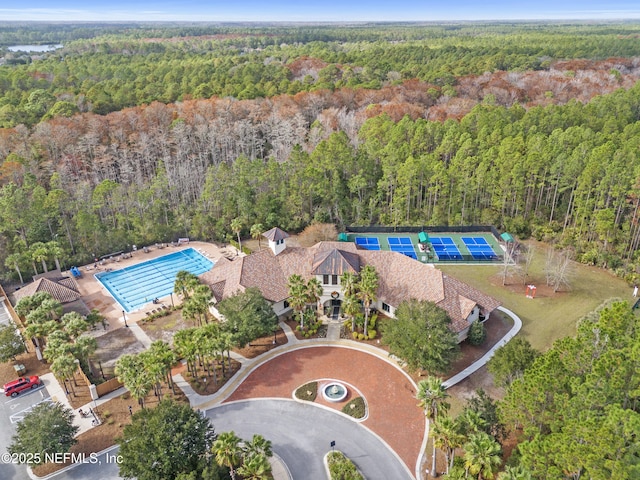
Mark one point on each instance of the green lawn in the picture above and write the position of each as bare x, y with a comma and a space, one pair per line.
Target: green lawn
547, 317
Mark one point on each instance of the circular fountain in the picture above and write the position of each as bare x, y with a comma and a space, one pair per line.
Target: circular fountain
334, 392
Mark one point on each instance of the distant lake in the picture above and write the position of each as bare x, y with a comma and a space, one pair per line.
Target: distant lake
33, 48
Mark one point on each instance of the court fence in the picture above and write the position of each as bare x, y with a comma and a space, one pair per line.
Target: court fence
427, 228
463, 258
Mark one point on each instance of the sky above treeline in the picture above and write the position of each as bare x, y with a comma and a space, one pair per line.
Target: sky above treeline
317, 11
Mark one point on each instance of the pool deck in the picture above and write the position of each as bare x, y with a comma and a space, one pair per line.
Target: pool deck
96, 296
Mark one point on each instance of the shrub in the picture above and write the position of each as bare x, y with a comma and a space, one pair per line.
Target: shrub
477, 333
373, 320
361, 336
354, 335
307, 392
372, 334
341, 468
355, 408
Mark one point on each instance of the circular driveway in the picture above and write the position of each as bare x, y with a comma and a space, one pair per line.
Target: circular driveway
390, 394
301, 434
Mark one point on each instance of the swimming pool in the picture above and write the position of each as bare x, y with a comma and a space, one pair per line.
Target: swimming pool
137, 285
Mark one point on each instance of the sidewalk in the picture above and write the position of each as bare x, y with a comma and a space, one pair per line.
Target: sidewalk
517, 325
59, 395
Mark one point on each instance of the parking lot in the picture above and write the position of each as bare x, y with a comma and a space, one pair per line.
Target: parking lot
12, 410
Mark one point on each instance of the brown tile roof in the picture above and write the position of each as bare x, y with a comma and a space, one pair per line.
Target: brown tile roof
460, 298
275, 234
335, 262
400, 277
63, 289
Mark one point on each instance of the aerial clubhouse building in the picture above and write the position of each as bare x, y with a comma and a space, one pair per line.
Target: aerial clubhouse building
400, 278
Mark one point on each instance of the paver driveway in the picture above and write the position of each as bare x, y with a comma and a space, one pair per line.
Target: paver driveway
393, 411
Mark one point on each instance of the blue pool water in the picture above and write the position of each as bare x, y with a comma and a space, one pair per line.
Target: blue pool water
137, 285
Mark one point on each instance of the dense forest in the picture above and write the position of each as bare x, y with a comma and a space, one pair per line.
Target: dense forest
576, 407
136, 135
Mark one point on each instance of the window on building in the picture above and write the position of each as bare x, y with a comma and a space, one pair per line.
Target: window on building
325, 279
385, 307
334, 279
286, 304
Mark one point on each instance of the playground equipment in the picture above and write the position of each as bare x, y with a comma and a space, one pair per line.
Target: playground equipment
531, 291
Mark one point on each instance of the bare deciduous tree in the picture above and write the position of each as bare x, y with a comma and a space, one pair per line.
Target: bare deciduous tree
559, 269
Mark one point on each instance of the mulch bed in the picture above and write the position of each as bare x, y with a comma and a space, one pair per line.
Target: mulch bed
262, 345
208, 387
32, 365
293, 324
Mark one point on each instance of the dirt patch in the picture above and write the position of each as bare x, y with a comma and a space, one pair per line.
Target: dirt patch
164, 328
111, 346
114, 415
515, 286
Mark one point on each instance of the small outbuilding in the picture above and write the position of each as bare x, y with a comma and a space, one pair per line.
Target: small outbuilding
507, 237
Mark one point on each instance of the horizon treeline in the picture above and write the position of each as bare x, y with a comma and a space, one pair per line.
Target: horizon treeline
551, 152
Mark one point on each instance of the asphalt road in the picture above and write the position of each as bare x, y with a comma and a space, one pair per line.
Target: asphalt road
301, 436
11, 411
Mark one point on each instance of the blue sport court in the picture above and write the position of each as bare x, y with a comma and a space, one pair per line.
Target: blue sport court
370, 243
134, 286
479, 248
402, 245
445, 248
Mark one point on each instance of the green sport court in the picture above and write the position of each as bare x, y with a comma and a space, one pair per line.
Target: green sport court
447, 247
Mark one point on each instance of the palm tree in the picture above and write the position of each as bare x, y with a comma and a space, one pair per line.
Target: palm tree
185, 283
74, 324
256, 232
52, 308
515, 473
84, 347
447, 437
64, 367
258, 446
297, 295
185, 346
164, 356
471, 421
314, 292
236, 227
432, 395
154, 369
140, 385
225, 344
201, 300
350, 304
40, 253
58, 344
256, 467
13, 261
226, 449
53, 248
367, 289
130, 371
351, 307
482, 456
